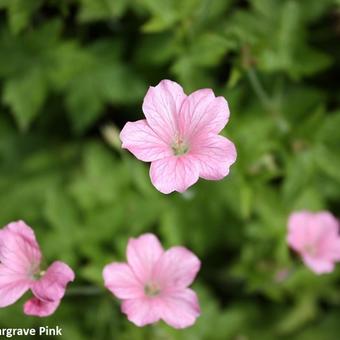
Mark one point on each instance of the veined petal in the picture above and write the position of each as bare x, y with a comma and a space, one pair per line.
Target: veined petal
51, 287
176, 269
19, 258
19, 249
12, 286
122, 282
36, 307
143, 142
142, 311
180, 309
161, 107
202, 112
215, 155
142, 254
175, 173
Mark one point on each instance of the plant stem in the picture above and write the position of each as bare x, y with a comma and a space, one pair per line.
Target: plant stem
258, 89
265, 99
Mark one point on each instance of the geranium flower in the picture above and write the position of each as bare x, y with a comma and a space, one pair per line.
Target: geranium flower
154, 283
20, 259
315, 236
180, 137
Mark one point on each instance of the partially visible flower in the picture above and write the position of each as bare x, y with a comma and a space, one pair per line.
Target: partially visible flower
315, 236
154, 283
180, 136
20, 259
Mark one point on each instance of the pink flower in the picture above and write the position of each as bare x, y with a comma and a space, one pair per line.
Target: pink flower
180, 137
154, 283
315, 236
20, 259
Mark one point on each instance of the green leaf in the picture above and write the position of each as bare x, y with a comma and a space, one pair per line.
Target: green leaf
20, 12
327, 150
100, 78
25, 95
101, 9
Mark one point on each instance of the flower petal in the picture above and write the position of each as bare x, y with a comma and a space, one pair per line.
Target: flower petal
143, 142
317, 229
51, 287
215, 155
180, 309
12, 286
298, 234
331, 249
142, 311
122, 282
19, 257
176, 173
327, 235
176, 269
161, 107
318, 265
203, 112
36, 307
142, 254
19, 249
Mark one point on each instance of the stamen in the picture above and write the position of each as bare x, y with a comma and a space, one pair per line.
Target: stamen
179, 146
36, 274
151, 289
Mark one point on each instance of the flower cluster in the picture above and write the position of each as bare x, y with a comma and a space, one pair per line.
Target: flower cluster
180, 137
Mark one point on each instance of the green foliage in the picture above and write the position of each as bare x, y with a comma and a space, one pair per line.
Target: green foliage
72, 72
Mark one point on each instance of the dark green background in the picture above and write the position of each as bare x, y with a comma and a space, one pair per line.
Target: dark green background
72, 72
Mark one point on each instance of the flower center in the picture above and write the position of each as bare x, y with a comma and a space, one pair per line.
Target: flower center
310, 250
151, 289
36, 273
179, 146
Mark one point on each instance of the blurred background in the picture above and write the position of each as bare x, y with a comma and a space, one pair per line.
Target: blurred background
73, 72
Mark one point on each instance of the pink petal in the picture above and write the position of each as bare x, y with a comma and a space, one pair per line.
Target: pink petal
176, 269
19, 249
318, 265
141, 311
142, 254
331, 249
180, 309
36, 307
122, 282
176, 173
327, 237
299, 234
51, 287
161, 107
203, 112
19, 259
21, 228
307, 228
327, 222
143, 142
12, 286
215, 155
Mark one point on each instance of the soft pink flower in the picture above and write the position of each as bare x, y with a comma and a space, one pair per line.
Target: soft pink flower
180, 137
20, 259
154, 283
315, 236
